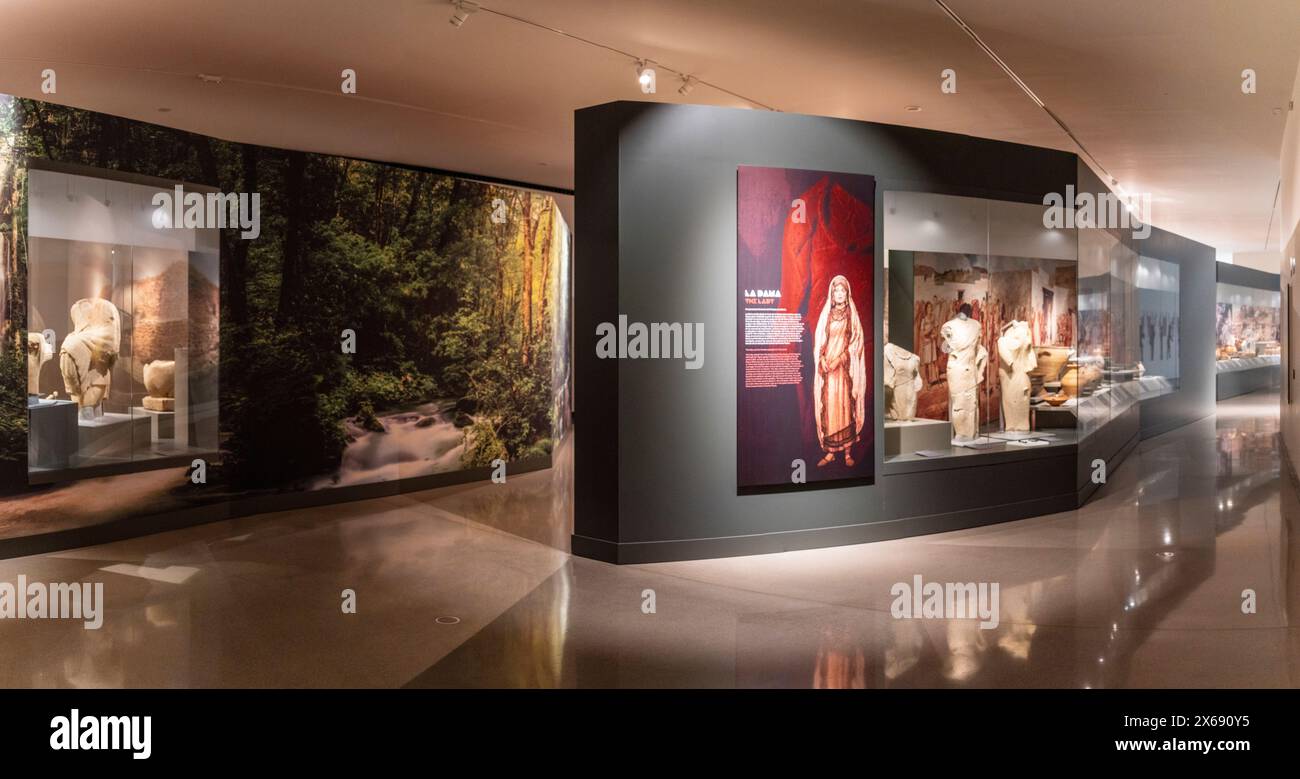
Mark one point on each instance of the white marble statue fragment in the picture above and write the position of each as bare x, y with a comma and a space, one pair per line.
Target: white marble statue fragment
902, 382
39, 352
967, 360
160, 382
90, 352
1016, 359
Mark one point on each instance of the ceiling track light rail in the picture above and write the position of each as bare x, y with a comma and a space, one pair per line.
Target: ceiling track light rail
689, 81
1019, 82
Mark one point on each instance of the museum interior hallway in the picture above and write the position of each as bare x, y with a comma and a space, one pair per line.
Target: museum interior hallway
473, 586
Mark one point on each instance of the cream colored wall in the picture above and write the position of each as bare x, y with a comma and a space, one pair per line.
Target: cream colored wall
1290, 195
1290, 243
1268, 261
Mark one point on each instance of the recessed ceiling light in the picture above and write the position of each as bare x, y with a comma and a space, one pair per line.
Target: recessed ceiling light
912, 108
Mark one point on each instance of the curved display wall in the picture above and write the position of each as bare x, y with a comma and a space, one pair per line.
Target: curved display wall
890, 334
195, 329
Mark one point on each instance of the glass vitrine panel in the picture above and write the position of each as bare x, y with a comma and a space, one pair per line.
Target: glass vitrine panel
122, 327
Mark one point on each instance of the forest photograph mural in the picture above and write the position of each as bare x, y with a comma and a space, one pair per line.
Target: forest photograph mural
385, 323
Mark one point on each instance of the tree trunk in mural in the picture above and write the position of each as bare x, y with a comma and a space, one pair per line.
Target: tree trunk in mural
291, 265
377, 219
47, 135
413, 204
546, 261
236, 264
8, 255
501, 238
530, 240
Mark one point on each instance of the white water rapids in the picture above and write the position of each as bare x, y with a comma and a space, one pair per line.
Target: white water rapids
403, 450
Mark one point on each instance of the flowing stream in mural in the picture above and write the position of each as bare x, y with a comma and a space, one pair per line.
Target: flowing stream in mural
418, 442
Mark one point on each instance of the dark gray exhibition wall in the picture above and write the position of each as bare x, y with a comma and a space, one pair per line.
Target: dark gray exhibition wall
655, 463
1242, 276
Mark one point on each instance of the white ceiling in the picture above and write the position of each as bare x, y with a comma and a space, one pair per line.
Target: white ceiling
1151, 87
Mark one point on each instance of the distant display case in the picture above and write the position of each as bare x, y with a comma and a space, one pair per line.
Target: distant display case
1248, 327
122, 327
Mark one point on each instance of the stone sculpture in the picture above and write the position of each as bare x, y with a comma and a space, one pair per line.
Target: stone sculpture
39, 352
1016, 358
967, 360
902, 382
90, 352
160, 382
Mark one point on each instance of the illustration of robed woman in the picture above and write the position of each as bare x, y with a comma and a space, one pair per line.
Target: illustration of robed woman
840, 384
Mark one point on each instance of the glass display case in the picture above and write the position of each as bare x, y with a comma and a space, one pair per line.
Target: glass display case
1158, 327
1107, 361
1248, 327
981, 320
122, 327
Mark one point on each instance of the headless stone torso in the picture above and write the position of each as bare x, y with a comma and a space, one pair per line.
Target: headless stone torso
1015, 359
90, 352
902, 382
967, 359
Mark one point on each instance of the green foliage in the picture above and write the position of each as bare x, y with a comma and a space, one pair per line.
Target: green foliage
13, 313
383, 391
444, 302
13, 405
513, 408
460, 343
281, 430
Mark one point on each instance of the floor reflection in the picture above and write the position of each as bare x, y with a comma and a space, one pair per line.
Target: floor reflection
1145, 586
1142, 587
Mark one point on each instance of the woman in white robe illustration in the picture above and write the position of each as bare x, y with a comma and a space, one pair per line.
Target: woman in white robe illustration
840, 382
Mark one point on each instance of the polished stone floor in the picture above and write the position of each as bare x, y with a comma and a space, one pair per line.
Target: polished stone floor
472, 586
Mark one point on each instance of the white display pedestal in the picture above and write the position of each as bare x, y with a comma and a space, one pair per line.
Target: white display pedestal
110, 435
906, 437
162, 424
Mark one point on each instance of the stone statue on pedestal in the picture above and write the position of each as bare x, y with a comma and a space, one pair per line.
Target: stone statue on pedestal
1016, 359
967, 360
160, 382
90, 352
39, 352
902, 382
